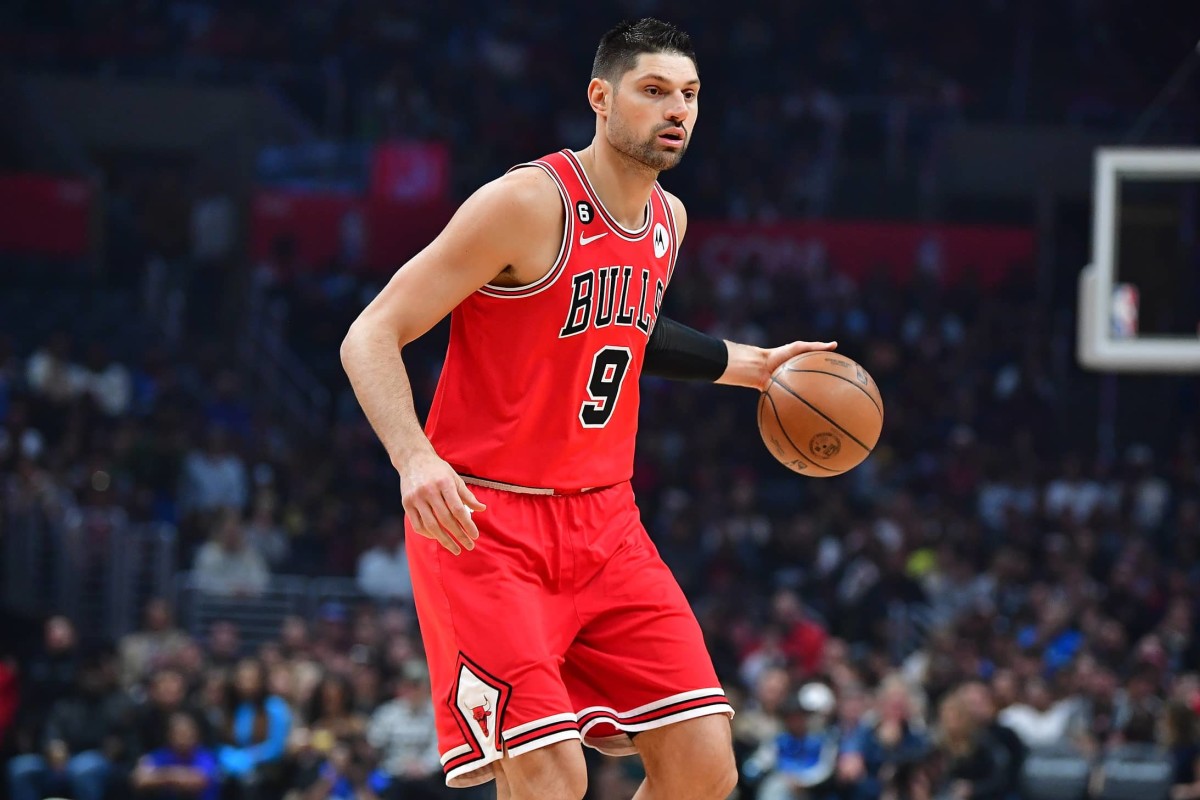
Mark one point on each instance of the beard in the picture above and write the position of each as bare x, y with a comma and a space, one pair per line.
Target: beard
647, 152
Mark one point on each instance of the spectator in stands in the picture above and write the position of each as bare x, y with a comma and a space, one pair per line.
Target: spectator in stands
224, 644
166, 696
258, 725
330, 714
978, 766
981, 704
802, 758
106, 381
214, 477
22, 447
51, 374
855, 718
50, 673
348, 774
212, 695
1140, 695
264, 534
293, 637
404, 733
383, 569
225, 565
332, 631
1182, 739
80, 740
891, 746
758, 721
228, 411
181, 769
156, 642
1040, 719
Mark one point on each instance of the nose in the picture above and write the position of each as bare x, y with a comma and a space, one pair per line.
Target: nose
677, 111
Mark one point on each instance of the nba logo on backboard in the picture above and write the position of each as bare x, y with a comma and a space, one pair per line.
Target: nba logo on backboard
1124, 311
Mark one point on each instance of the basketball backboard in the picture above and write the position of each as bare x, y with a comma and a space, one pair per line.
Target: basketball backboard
1109, 338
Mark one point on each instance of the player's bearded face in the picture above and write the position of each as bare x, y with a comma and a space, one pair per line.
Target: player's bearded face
654, 110
645, 148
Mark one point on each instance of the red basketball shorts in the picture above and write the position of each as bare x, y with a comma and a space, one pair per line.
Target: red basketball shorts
563, 623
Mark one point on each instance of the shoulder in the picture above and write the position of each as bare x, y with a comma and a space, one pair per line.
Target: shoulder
528, 194
680, 212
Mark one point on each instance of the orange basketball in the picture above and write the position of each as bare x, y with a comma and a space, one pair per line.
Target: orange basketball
821, 415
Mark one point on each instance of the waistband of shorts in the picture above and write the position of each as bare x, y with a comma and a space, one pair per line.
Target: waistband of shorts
475, 480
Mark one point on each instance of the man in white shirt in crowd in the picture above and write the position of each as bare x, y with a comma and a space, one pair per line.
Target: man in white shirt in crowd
213, 477
225, 565
1040, 721
383, 570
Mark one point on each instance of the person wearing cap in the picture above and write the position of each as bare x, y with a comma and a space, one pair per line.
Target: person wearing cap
804, 756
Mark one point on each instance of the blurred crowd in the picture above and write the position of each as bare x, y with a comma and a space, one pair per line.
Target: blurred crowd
335, 709
863, 79
982, 587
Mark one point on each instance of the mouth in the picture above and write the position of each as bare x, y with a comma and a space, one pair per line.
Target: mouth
672, 137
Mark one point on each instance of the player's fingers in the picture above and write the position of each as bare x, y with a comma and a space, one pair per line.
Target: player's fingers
425, 523
448, 523
812, 347
468, 497
462, 516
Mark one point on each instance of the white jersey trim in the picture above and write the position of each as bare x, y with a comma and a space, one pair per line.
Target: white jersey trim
455, 752
479, 770
564, 249
682, 697
538, 723
616, 227
666, 201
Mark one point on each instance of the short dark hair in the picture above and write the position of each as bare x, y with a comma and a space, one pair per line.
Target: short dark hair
620, 47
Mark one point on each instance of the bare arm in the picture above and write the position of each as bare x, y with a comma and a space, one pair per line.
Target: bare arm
499, 232
748, 365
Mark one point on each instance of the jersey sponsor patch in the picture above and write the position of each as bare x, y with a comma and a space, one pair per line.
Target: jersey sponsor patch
661, 240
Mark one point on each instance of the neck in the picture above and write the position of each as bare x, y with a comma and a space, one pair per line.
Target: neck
622, 184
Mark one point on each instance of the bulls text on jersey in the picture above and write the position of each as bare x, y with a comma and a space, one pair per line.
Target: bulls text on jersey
601, 297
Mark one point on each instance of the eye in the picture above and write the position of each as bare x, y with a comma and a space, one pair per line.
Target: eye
653, 90
689, 96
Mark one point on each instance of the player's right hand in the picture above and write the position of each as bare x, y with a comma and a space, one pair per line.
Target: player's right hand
438, 503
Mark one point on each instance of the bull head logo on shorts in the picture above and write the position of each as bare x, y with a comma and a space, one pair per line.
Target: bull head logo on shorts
481, 713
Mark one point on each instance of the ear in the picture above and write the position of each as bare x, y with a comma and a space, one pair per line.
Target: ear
600, 94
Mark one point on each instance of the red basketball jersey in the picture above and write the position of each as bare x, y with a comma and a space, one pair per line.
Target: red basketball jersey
540, 382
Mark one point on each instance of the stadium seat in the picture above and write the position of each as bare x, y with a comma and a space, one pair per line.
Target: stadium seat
1134, 772
1055, 773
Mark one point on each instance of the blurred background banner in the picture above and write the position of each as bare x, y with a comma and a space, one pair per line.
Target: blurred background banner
987, 254
47, 215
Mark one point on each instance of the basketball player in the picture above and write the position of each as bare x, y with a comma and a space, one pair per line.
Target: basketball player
547, 614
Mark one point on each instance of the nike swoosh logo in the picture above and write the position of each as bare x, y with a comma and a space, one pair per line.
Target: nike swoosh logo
589, 239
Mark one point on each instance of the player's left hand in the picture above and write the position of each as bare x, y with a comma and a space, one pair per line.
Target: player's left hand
778, 356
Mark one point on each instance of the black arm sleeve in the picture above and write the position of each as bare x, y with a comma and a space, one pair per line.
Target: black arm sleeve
681, 353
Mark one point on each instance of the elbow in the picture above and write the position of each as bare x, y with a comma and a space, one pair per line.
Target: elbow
349, 344
366, 333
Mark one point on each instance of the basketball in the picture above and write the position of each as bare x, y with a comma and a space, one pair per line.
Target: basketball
821, 415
